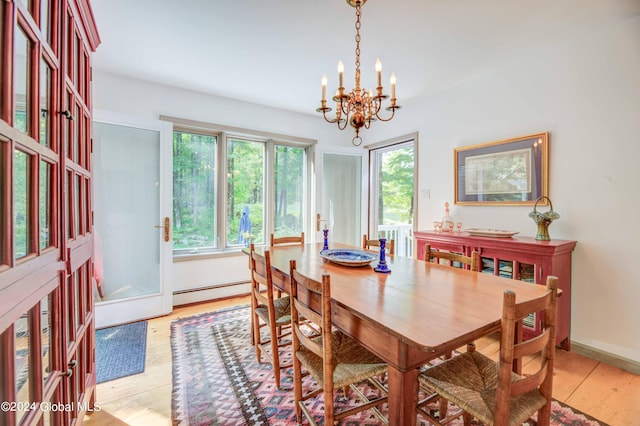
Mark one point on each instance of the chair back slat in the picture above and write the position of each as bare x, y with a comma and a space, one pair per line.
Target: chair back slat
530, 382
435, 256
531, 346
306, 312
261, 273
289, 239
367, 244
308, 343
535, 305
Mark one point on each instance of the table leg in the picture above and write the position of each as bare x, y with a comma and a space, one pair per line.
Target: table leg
403, 396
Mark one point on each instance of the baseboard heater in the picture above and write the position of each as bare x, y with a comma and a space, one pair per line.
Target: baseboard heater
211, 292
211, 287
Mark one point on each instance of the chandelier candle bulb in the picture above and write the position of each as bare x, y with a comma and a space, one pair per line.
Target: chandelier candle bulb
341, 72
392, 80
324, 87
379, 71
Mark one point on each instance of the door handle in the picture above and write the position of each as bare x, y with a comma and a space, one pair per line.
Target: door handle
319, 222
72, 366
167, 228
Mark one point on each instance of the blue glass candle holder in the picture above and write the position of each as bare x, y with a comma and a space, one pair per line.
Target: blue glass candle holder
325, 243
382, 263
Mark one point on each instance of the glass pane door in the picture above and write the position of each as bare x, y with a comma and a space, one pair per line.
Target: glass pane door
129, 217
391, 209
341, 197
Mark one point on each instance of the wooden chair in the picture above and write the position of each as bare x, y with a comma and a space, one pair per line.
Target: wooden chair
268, 311
287, 240
492, 392
367, 244
334, 359
449, 258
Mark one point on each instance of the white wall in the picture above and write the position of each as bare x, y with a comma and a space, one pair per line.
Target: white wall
586, 93
145, 100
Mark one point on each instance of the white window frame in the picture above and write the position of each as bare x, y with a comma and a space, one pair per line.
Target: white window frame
271, 140
390, 145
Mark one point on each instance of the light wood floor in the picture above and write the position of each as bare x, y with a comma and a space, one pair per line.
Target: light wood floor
607, 393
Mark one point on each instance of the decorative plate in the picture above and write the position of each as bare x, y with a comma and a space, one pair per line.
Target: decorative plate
348, 257
479, 232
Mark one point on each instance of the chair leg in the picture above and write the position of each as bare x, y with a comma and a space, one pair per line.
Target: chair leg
544, 415
257, 338
275, 355
297, 386
443, 408
328, 405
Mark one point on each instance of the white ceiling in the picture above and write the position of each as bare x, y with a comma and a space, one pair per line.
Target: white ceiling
274, 52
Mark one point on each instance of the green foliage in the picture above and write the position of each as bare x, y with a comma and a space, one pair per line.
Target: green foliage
396, 187
289, 190
194, 186
20, 203
194, 190
245, 186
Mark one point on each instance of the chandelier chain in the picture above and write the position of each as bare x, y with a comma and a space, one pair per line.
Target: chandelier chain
358, 15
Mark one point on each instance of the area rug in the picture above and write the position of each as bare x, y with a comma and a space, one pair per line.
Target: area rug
120, 351
218, 381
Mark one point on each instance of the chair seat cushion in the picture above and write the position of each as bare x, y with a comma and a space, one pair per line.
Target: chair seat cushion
282, 308
469, 380
353, 362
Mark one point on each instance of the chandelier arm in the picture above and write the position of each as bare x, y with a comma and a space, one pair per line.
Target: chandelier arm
327, 119
344, 124
393, 113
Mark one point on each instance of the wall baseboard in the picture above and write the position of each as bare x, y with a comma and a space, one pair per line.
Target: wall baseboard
203, 294
606, 357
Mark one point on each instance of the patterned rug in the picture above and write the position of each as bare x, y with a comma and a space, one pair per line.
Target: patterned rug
217, 380
120, 351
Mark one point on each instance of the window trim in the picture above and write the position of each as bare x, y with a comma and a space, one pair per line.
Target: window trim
270, 140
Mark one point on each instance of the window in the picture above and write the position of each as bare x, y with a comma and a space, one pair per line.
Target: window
245, 191
194, 191
233, 188
289, 190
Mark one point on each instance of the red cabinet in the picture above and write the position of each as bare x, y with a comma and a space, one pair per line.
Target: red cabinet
522, 258
47, 326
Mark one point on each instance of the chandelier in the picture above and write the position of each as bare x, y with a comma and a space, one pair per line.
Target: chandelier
358, 107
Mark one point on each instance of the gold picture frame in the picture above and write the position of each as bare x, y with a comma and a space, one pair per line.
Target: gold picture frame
508, 172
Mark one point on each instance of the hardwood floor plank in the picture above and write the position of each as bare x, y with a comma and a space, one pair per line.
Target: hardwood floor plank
609, 394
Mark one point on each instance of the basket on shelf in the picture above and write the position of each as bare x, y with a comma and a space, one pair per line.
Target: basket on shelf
543, 220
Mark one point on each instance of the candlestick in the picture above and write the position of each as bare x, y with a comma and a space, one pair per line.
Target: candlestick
340, 72
325, 243
382, 264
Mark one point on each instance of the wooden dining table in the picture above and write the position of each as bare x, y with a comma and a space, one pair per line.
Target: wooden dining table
407, 317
